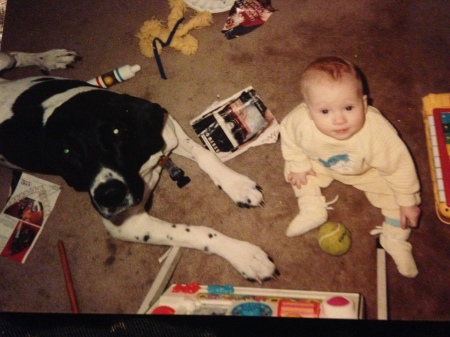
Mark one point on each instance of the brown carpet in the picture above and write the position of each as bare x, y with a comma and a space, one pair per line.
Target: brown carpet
403, 49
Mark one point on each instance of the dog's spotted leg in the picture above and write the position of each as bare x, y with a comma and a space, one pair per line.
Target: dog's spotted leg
241, 189
249, 260
49, 60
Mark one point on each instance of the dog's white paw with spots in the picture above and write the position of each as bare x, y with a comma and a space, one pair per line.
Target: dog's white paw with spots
252, 262
49, 60
242, 190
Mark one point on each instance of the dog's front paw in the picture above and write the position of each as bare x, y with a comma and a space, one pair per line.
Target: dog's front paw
56, 59
252, 262
243, 191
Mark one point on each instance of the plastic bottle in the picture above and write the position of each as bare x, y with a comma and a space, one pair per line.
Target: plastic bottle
115, 76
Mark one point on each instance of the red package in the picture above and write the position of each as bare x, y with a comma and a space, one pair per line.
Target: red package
245, 16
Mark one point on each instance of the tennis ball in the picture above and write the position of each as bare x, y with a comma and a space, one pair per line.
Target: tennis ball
334, 238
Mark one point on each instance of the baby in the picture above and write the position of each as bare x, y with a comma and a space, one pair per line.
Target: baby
335, 135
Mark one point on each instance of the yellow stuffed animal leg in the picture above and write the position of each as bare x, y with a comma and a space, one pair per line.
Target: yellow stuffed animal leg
177, 12
188, 44
147, 33
201, 19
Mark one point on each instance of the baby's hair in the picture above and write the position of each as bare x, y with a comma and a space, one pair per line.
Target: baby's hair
333, 66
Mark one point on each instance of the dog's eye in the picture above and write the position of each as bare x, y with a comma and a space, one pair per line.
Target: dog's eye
118, 131
66, 150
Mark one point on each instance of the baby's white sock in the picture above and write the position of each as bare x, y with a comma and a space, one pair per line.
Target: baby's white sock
313, 213
393, 240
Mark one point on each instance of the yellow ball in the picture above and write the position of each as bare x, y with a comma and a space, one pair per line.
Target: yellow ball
334, 238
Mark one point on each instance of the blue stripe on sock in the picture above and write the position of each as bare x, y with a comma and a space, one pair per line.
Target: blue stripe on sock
393, 222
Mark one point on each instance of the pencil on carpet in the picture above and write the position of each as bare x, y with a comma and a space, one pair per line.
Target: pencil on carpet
68, 277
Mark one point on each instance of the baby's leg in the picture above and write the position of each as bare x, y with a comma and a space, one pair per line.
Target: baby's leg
392, 237
312, 205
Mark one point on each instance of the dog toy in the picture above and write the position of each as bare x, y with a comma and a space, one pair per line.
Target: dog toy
115, 76
334, 238
153, 35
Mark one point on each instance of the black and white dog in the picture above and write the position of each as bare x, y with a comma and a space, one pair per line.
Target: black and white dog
109, 145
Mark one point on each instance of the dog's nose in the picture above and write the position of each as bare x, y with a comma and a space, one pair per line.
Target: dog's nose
110, 194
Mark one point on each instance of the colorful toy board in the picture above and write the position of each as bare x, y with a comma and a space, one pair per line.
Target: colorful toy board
226, 300
436, 117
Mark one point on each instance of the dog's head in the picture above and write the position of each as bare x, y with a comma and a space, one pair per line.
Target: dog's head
98, 140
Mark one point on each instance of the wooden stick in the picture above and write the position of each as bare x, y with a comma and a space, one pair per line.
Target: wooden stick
382, 305
161, 280
68, 277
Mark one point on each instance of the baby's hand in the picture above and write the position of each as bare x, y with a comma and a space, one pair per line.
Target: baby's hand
299, 178
409, 216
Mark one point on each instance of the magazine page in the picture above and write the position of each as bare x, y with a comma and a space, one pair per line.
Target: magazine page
232, 126
24, 216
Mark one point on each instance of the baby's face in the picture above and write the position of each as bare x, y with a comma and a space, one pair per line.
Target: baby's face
336, 107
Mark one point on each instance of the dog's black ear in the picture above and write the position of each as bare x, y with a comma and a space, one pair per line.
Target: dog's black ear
148, 121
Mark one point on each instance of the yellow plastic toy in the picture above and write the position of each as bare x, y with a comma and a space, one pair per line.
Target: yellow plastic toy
175, 34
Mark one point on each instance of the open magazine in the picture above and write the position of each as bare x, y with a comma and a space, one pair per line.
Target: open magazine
24, 216
234, 125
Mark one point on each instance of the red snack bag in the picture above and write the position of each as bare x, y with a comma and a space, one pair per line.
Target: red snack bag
245, 16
